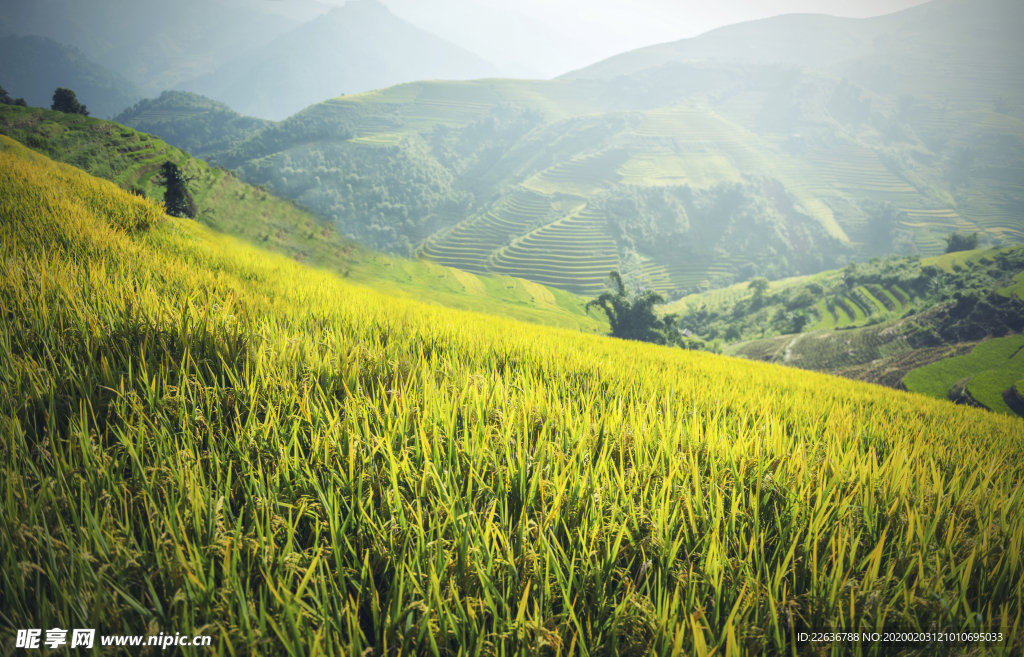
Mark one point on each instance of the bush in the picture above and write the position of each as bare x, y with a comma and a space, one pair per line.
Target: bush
961, 242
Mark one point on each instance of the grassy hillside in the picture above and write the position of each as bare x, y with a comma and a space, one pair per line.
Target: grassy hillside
982, 376
33, 67
201, 437
132, 159
880, 321
686, 174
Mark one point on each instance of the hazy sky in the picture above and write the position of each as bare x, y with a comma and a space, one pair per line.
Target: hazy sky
543, 38
546, 38
616, 25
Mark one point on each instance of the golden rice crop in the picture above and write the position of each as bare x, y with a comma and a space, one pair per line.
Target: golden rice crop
200, 437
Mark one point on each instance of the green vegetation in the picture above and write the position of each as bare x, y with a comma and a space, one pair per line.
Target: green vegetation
133, 161
957, 242
978, 292
201, 437
937, 380
191, 122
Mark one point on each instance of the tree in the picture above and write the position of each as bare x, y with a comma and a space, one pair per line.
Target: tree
759, 285
961, 242
5, 99
634, 318
64, 100
177, 199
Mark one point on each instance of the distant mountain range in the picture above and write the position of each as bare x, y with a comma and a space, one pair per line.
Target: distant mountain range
33, 67
156, 45
357, 47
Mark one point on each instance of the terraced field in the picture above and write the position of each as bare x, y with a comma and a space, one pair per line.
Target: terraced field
698, 170
959, 260
1017, 288
581, 176
855, 169
930, 227
689, 271
827, 350
574, 253
994, 192
856, 307
470, 244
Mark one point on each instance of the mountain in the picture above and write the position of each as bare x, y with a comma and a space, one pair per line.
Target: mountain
969, 48
190, 122
157, 45
353, 48
33, 67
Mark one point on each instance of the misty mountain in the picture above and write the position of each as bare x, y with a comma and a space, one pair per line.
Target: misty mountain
191, 122
157, 44
357, 47
929, 48
32, 67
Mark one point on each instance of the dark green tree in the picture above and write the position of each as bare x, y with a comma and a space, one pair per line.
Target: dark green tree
177, 199
961, 242
5, 99
64, 100
633, 318
759, 285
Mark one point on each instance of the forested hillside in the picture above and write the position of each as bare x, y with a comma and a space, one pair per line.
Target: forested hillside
886, 321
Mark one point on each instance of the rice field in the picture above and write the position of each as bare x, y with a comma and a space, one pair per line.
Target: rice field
855, 169
698, 170
470, 244
581, 176
574, 253
201, 437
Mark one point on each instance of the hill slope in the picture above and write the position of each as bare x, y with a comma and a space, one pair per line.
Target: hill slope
33, 67
894, 322
132, 159
353, 48
198, 435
